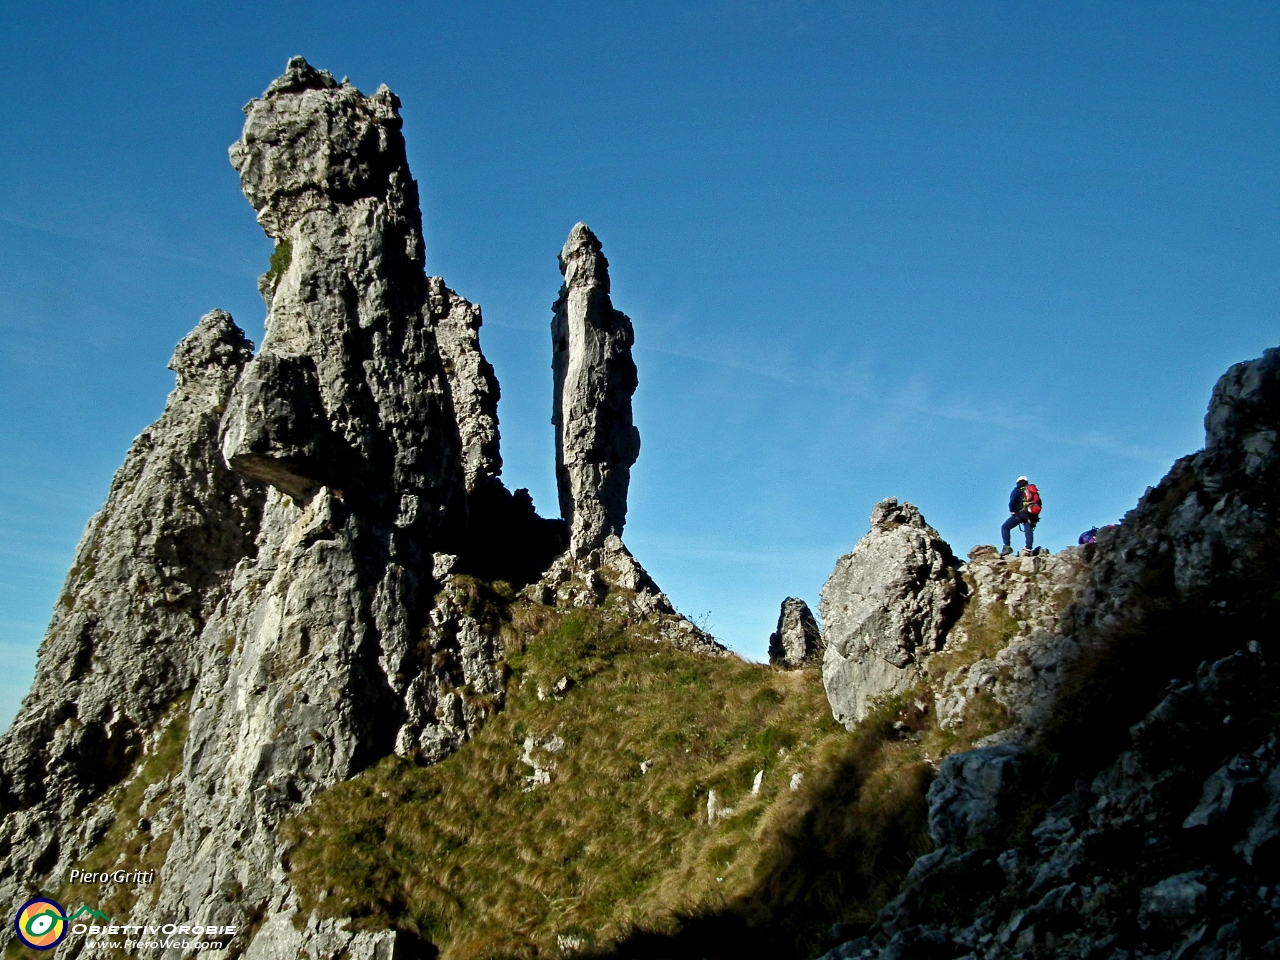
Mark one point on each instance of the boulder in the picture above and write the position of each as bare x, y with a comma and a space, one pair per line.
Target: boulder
968, 796
797, 642
888, 604
276, 430
1174, 901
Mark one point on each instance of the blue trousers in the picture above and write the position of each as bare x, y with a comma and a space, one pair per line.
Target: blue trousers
1017, 519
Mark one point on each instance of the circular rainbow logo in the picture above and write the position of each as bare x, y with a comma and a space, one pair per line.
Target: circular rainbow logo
41, 923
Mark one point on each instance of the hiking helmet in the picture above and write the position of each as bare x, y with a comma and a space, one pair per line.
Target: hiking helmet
1022, 479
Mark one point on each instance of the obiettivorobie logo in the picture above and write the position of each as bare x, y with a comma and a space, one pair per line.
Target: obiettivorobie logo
42, 924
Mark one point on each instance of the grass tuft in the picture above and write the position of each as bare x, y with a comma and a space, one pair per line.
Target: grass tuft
281, 257
987, 630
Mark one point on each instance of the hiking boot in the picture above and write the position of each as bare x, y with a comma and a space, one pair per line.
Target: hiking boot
1006, 550
1026, 552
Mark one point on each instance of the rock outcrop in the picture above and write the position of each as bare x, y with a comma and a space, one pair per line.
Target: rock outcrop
348, 390
152, 567
1007, 651
596, 444
331, 652
596, 441
887, 605
473, 386
298, 616
610, 576
280, 589
1143, 733
797, 642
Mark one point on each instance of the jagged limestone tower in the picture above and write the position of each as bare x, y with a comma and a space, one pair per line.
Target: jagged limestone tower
595, 377
271, 569
271, 583
315, 664
124, 643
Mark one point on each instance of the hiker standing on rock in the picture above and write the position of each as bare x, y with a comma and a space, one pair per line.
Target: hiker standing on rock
1024, 510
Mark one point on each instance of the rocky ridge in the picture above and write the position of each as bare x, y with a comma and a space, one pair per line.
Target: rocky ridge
1128, 805
610, 576
293, 544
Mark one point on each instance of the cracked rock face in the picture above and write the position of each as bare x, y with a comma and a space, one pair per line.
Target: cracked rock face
1168, 842
465, 654
797, 642
1032, 596
887, 605
596, 441
348, 390
473, 385
316, 661
152, 566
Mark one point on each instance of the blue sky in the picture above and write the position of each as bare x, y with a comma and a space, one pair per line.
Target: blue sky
870, 249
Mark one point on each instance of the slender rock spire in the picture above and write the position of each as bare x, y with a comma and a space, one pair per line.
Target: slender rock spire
596, 442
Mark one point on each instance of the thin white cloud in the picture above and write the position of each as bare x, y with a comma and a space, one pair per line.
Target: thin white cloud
146, 252
913, 397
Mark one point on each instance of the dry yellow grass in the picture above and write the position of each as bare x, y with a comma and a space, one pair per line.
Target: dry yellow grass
616, 854
611, 856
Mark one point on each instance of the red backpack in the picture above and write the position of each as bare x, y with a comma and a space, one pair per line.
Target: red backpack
1031, 500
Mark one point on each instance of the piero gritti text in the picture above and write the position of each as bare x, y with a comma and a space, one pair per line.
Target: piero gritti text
112, 876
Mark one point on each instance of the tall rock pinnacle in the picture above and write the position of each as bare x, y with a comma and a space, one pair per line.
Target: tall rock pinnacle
153, 564
348, 391
327, 655
596, 441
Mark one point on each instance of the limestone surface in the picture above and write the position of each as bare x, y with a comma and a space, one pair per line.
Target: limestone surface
966, 797
474, 388
886, 606
797, 642
1025, 601
611, 575
152, 567
595, 377
1166, 843
330, 653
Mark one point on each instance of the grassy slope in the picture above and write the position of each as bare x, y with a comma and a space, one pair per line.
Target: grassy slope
607, 858
126, 845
